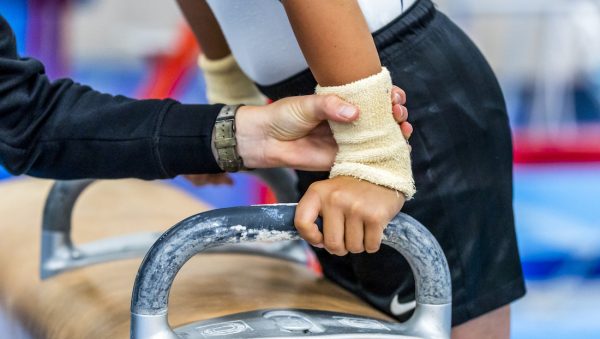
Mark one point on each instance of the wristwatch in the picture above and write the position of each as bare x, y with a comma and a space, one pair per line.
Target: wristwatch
224, 140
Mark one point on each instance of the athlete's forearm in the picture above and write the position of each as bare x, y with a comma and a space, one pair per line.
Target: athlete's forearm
205, 27
335, 40
341, 53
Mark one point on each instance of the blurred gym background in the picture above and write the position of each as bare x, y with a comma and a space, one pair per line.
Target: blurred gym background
546, 54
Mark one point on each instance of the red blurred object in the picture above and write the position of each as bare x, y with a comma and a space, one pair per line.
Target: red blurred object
265, 195
312, 262
168, 70
582, 145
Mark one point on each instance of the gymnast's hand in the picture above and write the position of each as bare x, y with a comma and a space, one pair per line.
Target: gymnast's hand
355, 213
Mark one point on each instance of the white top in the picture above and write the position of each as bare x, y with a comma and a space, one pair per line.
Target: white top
261, 37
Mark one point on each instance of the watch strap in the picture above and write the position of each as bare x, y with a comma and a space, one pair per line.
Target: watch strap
225, 141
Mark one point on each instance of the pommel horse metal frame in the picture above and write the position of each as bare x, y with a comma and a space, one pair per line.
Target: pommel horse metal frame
59, 253
149, 301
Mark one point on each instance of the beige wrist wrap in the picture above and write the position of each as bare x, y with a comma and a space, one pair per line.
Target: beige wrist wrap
227, 84
372, 148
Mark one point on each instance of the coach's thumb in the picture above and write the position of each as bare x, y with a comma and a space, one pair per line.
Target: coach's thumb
331, 107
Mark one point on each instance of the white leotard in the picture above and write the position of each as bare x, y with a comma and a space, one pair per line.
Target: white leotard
262, 41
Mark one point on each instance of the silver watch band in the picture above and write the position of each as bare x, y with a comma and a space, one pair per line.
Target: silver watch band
224, 140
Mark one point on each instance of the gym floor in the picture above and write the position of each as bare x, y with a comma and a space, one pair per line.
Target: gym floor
556, 209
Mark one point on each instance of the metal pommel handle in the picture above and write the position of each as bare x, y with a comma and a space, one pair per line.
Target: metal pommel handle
270, 223
59, 254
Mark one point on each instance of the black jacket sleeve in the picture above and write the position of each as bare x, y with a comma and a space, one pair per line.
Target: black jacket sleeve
65, 130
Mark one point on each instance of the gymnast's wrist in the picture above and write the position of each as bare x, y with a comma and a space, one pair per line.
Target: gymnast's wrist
372, 148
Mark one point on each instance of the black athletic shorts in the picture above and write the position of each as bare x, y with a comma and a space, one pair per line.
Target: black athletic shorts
462, 164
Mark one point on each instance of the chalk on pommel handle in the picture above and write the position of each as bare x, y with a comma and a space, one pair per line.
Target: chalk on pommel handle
198, 233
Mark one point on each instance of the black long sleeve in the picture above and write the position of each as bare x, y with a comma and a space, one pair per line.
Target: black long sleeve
65, 130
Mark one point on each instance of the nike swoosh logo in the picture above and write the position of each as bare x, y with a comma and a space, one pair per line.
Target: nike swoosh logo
398, 308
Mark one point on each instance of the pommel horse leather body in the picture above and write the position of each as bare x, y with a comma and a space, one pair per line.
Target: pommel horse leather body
93, 302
